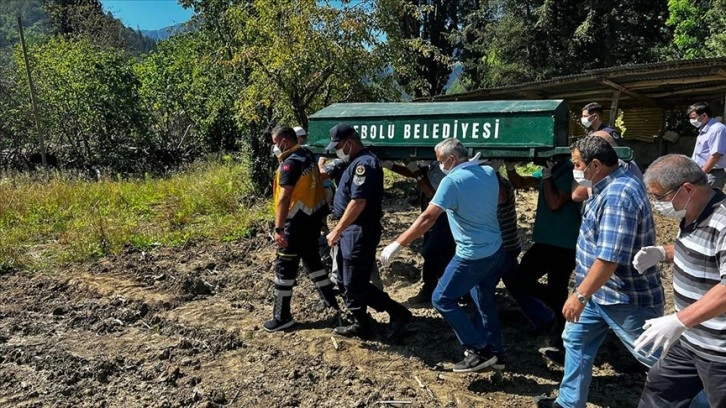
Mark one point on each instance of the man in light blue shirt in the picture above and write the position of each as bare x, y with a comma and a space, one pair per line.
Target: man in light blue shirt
710, 146
469, 194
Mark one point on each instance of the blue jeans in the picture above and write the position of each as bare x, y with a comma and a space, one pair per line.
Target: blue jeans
479, 278
583, 339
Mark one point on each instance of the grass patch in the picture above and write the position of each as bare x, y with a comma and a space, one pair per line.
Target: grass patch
56, 218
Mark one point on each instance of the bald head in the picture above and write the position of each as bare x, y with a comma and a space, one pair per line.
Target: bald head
606, 136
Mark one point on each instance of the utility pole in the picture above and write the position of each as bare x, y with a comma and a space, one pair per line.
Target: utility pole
41, 139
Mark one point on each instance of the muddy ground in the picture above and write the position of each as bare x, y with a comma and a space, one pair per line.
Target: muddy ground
182, 327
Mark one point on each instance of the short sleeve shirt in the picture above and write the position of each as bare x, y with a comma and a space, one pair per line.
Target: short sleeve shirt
699, 264
560, 227
469, 194
618, 222
711, 140
291, 168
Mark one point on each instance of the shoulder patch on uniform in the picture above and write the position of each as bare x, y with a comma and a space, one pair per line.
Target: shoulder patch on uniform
285, 167
360, 170
359, 180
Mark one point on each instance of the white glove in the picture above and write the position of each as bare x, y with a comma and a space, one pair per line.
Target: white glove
660, 331
389, 252
387, 164
547, 168
509, 166
647, 257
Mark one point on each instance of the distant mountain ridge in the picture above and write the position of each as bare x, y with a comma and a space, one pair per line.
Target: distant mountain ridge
163, 33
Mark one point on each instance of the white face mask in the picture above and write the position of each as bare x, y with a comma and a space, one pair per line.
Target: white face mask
341, 153
586, 121
668, 210
696, 123
276, 151
444, 170
579, 176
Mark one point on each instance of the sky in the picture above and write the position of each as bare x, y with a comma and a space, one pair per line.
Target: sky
147, 14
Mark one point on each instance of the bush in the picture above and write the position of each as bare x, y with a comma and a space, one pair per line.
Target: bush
52, 218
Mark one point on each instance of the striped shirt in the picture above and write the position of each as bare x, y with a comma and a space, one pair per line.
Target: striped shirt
616, 224
699, 265
507, 216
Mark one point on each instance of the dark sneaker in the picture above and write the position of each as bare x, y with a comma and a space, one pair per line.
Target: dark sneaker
276, 325
398, 325
501, 364
553, 355
545, 401
353, 330
475, 360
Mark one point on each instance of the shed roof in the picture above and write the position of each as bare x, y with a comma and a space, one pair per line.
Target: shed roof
662, 84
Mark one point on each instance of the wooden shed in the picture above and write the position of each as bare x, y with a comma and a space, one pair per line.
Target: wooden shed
648, 100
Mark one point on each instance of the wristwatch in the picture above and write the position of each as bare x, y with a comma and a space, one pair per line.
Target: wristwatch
580, 297
279, 230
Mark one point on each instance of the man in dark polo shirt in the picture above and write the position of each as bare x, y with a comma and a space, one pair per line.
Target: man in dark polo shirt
592, 119
693, 338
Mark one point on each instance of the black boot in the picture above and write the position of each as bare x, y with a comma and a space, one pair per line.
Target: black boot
400, 318
281, 315
361, 328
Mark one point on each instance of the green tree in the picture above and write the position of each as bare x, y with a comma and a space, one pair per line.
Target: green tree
76, 19
89, 106
187, 97
699, 28
514, 41
422, 40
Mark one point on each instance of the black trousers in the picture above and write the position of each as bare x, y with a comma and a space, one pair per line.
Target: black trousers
438, 249
302, 243
357, 247
535, 297
679, 376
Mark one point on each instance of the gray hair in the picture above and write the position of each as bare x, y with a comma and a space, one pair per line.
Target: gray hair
453, 147
672, 170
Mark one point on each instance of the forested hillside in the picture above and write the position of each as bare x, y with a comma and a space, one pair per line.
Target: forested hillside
42, 18
112, 101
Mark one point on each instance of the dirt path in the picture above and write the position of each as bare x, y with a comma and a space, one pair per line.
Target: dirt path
182, 327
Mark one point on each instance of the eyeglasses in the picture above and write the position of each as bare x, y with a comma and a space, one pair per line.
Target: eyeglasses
660, 197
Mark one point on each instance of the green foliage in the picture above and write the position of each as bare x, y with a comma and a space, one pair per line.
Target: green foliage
699, 28
514, 41
314, 55
57, 218
689, 30
188, 98
89, 106
33, 17
85, 19
424, 40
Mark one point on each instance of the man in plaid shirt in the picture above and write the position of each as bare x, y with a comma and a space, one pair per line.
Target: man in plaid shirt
609, 293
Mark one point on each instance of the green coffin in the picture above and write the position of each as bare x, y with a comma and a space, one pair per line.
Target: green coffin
506, 129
